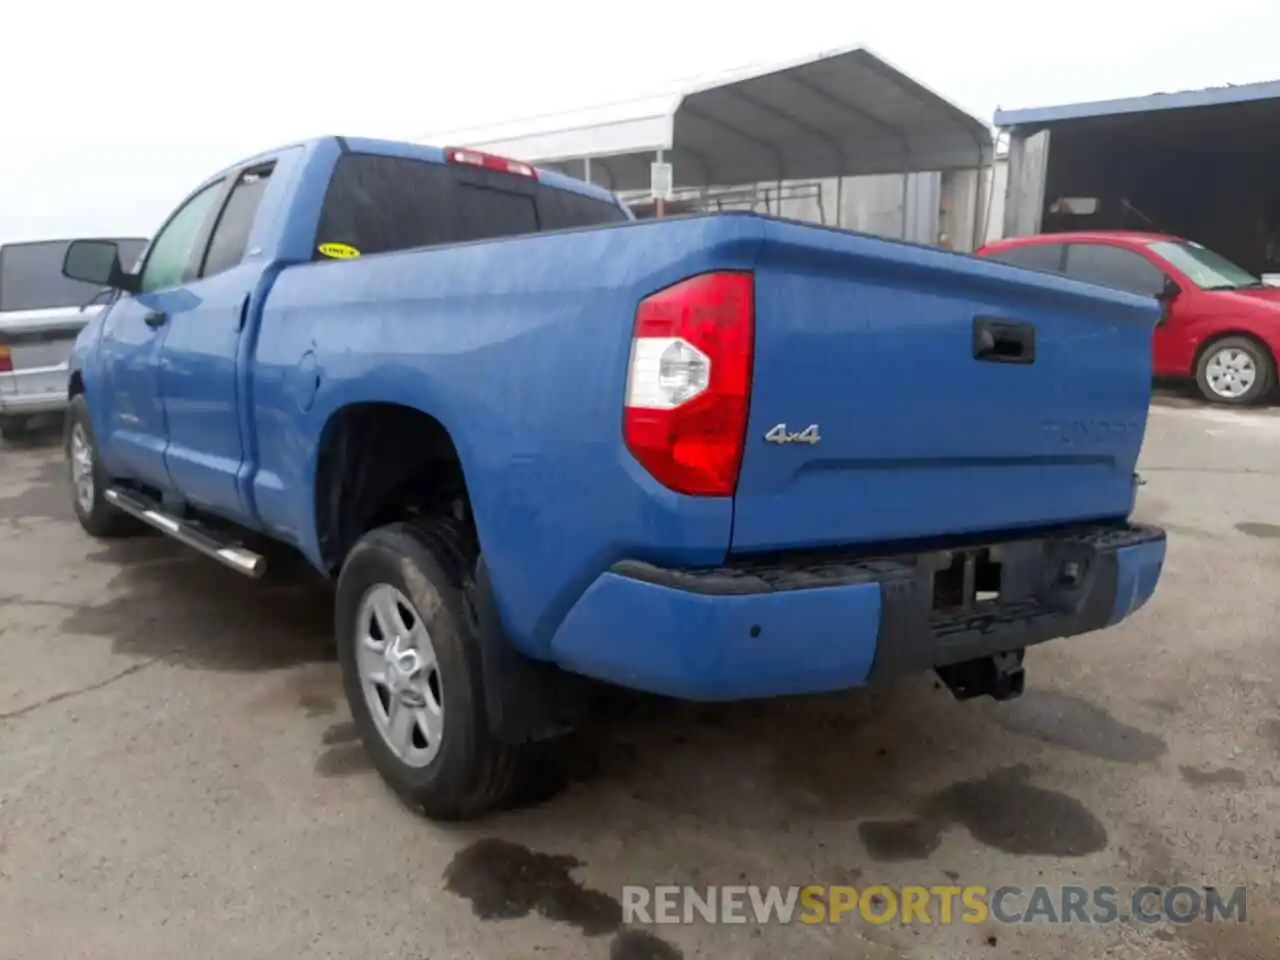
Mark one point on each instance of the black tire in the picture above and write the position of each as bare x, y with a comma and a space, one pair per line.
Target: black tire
1262, 361
103, 520
473, 773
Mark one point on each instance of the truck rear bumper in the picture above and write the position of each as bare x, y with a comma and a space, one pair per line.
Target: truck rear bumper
823, 623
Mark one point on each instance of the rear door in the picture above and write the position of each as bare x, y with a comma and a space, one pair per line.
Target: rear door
199, 354
41, 313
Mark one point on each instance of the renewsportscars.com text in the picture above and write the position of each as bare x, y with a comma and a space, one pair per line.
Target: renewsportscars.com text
939, 904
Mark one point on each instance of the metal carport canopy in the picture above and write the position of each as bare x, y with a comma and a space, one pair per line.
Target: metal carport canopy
848, 113
1151, 103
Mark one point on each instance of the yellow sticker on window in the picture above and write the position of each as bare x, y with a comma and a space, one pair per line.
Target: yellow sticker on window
339, 251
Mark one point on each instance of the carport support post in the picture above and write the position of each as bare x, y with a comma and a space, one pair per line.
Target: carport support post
659, 205
979, 188
906, 194
586, 169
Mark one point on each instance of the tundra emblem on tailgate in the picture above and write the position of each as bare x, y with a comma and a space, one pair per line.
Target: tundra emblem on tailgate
1086, 432
779, 434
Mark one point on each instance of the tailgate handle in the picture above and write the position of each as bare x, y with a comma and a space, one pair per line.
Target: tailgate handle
1000, 341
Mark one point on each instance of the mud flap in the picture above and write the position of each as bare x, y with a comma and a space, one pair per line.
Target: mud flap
525, 699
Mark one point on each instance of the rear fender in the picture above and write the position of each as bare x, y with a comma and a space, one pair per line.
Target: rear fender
525, 699
519, 347
386, 386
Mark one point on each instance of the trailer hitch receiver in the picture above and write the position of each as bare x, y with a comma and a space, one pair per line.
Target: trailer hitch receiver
999, 676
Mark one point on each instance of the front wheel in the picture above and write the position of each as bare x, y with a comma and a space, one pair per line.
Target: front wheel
88, 482
1237, 371
411, 670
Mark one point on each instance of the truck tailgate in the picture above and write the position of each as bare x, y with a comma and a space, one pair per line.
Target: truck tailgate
948, 395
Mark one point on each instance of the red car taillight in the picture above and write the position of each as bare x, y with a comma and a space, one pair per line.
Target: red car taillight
689, 382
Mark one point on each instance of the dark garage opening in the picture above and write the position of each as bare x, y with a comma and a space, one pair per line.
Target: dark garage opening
1207, 173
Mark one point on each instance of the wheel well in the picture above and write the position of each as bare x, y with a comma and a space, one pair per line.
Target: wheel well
1217, 337
379, 463
76, 385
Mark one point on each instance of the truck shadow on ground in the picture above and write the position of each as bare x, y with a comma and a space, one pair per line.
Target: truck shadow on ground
834, 789
41, 433
905, 761
171, 604
44, 494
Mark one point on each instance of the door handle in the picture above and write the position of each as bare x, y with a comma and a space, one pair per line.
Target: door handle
1002, 341
156, 319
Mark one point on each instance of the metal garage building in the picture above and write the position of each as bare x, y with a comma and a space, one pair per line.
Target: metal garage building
793, 139
1200, 164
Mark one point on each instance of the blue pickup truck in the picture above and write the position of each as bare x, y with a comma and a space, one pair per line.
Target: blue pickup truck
538, 444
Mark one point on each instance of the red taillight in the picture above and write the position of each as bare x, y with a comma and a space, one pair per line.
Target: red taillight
6, 360
489, 161
689, 383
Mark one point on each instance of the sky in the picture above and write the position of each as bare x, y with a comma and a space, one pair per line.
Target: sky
113, 112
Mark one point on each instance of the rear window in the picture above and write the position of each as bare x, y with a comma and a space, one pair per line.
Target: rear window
31, 275
378, 204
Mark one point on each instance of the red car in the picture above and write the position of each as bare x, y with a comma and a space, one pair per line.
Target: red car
1221, 324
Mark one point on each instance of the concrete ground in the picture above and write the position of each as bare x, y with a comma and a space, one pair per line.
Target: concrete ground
178, 776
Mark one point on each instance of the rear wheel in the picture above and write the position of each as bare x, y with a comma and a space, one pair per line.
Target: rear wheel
88, 482
413, 678
1238, 371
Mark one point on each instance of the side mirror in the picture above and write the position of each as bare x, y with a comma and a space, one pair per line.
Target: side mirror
96, 262
1168, 293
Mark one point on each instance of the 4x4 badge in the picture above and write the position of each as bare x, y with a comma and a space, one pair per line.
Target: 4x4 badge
780, 434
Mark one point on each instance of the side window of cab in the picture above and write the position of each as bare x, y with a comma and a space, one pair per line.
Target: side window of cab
174, 255
230, 237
